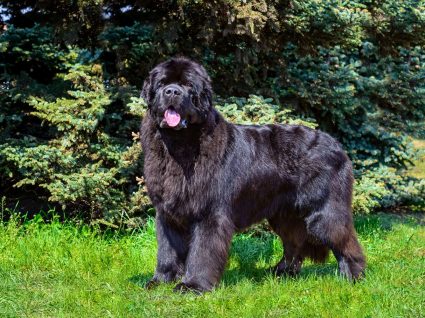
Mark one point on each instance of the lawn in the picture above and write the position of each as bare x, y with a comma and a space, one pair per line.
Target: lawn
64, 270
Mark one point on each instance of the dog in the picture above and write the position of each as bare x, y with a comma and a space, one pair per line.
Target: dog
208, 178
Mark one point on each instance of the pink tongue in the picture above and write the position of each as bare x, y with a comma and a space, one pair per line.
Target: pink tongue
172, 117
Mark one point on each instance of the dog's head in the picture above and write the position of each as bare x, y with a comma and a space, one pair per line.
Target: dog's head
178, 93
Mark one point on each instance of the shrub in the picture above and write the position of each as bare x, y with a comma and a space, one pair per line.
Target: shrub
81, 166
383, 188
355, 69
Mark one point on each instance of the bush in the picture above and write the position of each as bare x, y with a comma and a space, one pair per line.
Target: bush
81, 166
258, 110
355, 69
383, 188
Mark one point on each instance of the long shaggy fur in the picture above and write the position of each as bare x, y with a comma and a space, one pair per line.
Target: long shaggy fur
210, 178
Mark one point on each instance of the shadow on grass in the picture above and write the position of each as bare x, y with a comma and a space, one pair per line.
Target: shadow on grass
384, 222
258, 275
140, 279
247, 269
248, 252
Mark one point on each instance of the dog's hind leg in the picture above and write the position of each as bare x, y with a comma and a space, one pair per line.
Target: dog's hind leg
335, 229
330, 221
293, 234
351, 261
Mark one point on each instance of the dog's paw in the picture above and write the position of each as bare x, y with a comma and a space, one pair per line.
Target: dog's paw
151, 283
351, 271
284, 271
184, 288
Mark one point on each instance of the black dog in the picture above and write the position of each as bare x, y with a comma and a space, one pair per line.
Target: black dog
208, 178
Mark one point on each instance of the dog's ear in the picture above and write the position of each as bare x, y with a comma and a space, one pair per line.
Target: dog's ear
147, 90
207, 95
207, 92
145, 93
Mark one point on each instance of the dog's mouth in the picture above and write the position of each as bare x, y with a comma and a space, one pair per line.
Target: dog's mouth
172, 119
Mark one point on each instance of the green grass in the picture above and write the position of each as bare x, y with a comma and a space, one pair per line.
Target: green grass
61, 270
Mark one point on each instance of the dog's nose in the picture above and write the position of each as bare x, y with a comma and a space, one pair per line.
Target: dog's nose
172, 90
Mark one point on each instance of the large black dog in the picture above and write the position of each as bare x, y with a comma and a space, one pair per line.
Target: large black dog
208, 178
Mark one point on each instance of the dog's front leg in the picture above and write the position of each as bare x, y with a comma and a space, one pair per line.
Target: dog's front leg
208, 254
172, 251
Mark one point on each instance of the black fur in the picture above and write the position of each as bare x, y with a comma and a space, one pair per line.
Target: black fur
210, 178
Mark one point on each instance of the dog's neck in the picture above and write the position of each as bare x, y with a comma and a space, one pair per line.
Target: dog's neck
185, 142
186, 145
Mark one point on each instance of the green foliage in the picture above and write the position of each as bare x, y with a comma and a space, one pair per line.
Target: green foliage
81, 166
128, 44
69, 74
28, 62
258, 110
383, 188
356, 94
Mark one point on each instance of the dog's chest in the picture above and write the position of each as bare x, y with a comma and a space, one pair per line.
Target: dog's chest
175, 181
